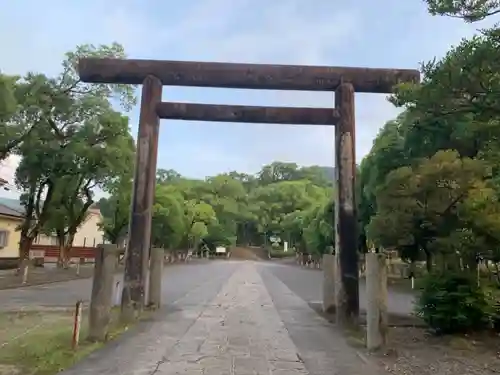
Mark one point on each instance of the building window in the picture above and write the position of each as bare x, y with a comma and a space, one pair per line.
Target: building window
4, 237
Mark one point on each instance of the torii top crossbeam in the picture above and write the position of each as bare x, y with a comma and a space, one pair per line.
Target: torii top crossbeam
243, 76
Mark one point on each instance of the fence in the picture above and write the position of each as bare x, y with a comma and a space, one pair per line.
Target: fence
50, 253
87, 241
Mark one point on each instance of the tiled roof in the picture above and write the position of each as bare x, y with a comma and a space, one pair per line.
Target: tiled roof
5, 210
12, 204
13, 207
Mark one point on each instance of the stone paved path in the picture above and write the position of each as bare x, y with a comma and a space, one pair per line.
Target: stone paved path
239, 333
249, 323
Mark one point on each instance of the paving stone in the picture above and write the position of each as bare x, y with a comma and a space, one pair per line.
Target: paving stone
239, 341
177, 368
239, 330
242, 333
250, 366
288, 372
285, 365
322, 346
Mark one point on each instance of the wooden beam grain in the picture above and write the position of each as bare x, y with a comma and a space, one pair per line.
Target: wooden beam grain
253, 114
345, 230
243, 76
138, 244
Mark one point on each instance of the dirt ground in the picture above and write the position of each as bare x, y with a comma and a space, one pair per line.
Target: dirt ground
413, 351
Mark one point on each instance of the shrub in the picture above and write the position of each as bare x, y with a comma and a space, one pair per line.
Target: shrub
495, 317
493, 295
453, 303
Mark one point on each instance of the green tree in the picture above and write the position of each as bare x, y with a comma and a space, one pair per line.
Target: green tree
164, 176
74, 134
238, 208
469, 10
168, 222
421, 208
115, 210
319, 233
199, 216
273, 202
278, 171
456, 106
10, 134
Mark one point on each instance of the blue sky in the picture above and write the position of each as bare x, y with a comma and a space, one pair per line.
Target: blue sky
386, 33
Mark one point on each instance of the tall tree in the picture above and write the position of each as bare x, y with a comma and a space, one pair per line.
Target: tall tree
420, 208
77, 134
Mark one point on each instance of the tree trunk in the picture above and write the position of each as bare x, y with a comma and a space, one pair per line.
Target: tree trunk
24, 254
413, 268
61, 237
67, 249
428, 261
60, 256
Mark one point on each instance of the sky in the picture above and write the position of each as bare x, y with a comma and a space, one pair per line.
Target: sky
382, 34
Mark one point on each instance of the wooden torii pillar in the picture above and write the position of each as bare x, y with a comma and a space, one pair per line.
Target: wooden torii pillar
153, 74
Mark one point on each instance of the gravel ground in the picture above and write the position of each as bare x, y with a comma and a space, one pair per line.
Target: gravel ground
412, 351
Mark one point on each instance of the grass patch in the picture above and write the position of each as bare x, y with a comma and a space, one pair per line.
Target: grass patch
39, 343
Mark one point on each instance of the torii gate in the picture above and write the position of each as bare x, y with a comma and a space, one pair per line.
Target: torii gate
153, 74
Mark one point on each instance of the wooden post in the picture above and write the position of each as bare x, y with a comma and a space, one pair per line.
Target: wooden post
376, 301
154, 136
155, 277
347, 287
77, 324
137, 254
102, 291
81, 261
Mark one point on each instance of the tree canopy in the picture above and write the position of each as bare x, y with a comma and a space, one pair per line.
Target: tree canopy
430, 185
70, 139
236, 208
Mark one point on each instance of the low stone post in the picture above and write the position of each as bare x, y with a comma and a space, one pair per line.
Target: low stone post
329, 262
102, 291
376, 300
155, 277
